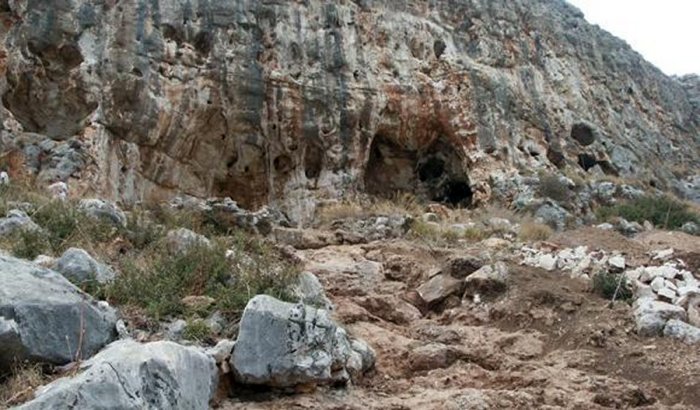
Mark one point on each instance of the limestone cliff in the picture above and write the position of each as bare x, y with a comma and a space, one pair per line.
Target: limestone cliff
278, 101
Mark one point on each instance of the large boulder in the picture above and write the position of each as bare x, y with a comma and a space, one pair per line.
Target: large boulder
682, 331
79, 267
651, 315
130, 375
283, 344
45, 318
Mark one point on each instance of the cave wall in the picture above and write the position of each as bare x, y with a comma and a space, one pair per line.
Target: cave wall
278, 102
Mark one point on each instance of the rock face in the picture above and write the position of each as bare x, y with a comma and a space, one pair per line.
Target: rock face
42, 314
278, 101
281, 345
129, 375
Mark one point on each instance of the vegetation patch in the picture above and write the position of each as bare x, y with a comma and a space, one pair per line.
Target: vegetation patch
553, 187
157, 281
533, 231
606, 284
662, 211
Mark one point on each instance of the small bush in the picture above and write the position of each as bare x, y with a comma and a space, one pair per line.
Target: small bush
553, 187
157, 281
197, 330
662, 211
605, 283
28, 244
19, 387
533, 231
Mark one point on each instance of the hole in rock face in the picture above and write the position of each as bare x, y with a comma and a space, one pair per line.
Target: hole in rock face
282, 164
313, 161
431, 169
439, 47
583, 134
587, 161
433, 174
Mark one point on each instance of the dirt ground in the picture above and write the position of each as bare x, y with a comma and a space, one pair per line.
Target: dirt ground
546, 343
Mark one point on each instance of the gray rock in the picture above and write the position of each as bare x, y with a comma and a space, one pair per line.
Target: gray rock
48, 313
552, 214
488, 280
439, 287
282, 344
130, 375
691, 228
17, 220
183, 240
79, 267
651, 315
175, 330
605, 192
682, 331
103, 210
430, 217
628, 228
4, 178
308, 290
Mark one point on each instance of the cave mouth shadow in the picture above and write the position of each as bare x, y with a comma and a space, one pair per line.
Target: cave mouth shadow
434, 174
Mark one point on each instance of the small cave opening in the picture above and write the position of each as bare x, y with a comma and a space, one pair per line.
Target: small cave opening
431, 169
587, 161
433, 174
583, 134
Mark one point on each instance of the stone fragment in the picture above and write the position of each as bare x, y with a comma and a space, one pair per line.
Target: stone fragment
488, 280
682, 331
103, 210
439, 287
183, 240
651, 316
79, 267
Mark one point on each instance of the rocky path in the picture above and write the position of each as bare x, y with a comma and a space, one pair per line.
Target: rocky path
545, 342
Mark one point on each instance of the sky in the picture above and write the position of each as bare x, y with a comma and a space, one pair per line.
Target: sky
665, 32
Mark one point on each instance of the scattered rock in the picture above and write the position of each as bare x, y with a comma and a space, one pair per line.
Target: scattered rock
103, 210
79, 267
198, 302
130, 375
182, 240
439, 287
617, 263
308, 290
58, 190
628, 228
175, 330
691, 228
282, 345
4, 178
44, 315
488, 280
17, 220
433, 356
651, 315
682, 331
552, 214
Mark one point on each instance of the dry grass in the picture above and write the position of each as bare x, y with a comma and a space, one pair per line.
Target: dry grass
397, 204
533, 231
20, 386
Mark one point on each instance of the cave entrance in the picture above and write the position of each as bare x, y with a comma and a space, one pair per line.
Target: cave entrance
435, 174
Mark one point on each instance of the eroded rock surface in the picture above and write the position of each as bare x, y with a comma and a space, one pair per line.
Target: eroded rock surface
279, 102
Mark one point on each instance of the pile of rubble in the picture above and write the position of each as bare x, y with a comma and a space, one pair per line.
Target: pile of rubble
578, 262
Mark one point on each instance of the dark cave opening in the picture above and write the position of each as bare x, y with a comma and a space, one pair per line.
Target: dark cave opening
587, 161
583, 134
433, 174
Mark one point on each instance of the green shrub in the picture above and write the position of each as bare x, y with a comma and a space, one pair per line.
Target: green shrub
158, 281
662, 211
197, 330
28, 244
605, 284
553, 187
